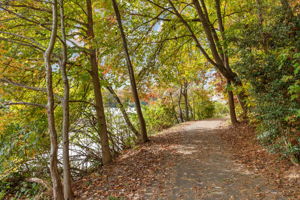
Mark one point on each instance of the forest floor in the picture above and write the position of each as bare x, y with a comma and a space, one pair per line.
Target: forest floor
205, 159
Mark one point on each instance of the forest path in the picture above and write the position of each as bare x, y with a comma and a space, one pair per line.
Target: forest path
204, 169
189, 161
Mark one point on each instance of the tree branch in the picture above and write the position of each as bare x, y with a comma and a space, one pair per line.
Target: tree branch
193, 35
22, 43
24, 37
6, 80
25, 103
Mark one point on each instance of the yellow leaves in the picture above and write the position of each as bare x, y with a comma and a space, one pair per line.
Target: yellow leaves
100, 4
295, 4
2, 50
105, 69
5, 119
8, 170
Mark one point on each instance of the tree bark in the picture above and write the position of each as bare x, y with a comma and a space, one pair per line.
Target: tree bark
67, 180
56, 183
193, 108
179, 105
102, 127
242, 97
227, 66
207, 29
231, 104
186, 101
143, 136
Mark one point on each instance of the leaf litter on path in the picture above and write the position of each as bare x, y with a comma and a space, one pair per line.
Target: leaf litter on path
193, 160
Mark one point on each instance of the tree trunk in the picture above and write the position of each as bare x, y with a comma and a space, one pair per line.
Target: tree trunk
236, 81
242, 97
179, 105
143, 136
186, 101
67, 180
56, 183
102, 127
209, 35
232, 113
193, 108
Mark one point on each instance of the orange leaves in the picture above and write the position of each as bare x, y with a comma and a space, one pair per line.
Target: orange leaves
149, 96
131, 173
105, 69
112, 19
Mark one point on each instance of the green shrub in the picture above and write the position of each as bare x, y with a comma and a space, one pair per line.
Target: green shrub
273, 76
159, 116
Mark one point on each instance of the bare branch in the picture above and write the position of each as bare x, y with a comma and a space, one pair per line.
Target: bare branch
25, 103
24, 37
158, 5
82, 101
193, 35
6, 80
22, 43
24, 18
168, 39
27, 6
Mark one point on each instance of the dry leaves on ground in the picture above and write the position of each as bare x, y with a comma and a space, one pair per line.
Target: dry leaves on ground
247, 151
132, 172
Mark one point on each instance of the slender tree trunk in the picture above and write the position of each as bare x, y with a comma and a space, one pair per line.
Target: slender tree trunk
186, 101
209, 35
179, 105
123, 111
56, 183
67, 180
232, 113
102, 127
193, 108
144, 137
241, 96
213, 32
232, 105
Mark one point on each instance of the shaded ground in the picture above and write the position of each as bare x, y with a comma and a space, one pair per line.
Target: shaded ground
189, 161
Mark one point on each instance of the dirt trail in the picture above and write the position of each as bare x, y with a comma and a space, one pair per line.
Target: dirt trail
204, 169
189, 161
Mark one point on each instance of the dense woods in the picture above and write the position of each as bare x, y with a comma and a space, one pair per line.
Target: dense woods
83, 80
